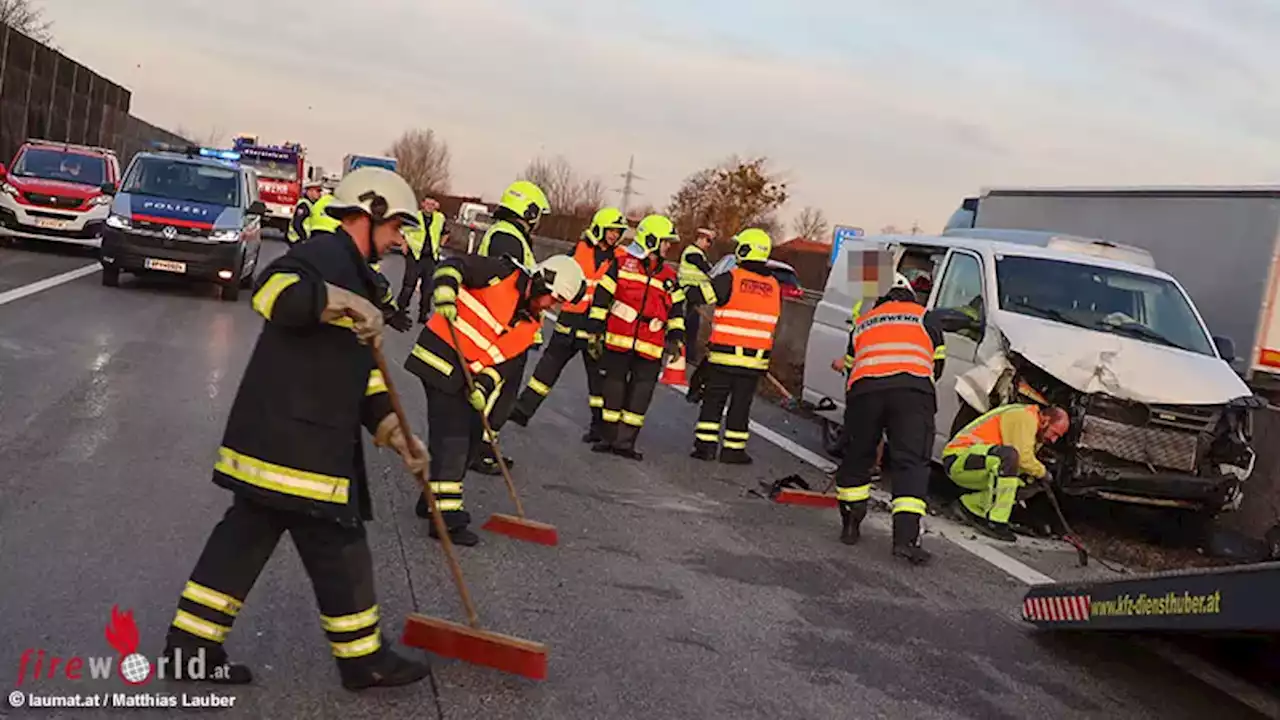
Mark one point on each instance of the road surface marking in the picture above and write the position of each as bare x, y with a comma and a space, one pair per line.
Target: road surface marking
18, 293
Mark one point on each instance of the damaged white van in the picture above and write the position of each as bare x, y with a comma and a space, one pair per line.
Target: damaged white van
1158, 416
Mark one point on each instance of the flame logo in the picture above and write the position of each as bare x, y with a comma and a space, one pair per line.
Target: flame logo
122, 632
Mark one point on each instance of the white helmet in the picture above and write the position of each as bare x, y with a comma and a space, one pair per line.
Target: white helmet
376, 192
901, 281
563, 278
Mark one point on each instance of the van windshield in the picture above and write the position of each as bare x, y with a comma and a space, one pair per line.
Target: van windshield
54, 164
178, 180
1142, 307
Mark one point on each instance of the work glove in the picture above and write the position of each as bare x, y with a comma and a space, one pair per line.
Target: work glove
673, 350
595, 347
407, 445
477, 400
445, 303
399, 320
366, 316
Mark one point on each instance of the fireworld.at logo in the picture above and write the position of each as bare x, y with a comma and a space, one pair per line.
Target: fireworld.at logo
131, 666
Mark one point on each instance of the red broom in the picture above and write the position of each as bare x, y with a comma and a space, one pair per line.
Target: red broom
449, 639
517, 527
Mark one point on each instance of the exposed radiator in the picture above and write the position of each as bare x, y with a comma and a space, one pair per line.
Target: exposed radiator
1144, 445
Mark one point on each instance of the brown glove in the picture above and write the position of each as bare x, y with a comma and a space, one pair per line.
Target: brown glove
365, 316
409, 446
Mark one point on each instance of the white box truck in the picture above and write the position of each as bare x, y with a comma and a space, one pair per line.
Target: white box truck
1220, 242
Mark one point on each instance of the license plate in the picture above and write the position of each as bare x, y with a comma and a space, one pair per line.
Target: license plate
166, 265
51, 224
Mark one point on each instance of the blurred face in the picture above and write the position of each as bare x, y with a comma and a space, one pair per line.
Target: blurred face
612, 236
1052, 428
543, 303
386, 235
704, 242
664, 247
313, 194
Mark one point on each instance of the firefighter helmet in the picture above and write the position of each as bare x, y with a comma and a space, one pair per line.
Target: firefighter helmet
609, 218
652, 231
526, 201
376, 192
754, 244
562, 277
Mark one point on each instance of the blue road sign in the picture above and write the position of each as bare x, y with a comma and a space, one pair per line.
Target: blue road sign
838, 238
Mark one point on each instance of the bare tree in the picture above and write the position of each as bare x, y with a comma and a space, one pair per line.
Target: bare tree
811, 224
890, 230
422, 159
567, 191
28, 19
734, 195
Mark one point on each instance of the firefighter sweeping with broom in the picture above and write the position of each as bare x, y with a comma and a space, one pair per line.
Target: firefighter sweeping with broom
748, 301
292, 453
593, 253
640, 308
495, 306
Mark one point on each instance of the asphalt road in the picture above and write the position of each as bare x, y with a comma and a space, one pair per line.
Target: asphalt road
675, 593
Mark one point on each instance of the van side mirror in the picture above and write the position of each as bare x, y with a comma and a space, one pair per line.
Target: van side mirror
955, 321
108, 188
1226, 348
257, 207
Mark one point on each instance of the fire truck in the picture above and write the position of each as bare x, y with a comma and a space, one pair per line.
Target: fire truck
281, 171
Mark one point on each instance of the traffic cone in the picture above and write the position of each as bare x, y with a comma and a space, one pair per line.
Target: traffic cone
675, 372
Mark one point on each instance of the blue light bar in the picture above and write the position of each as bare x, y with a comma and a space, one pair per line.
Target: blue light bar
219, 154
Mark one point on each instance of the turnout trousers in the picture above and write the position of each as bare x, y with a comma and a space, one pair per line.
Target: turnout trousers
735, 388
991, 472
417, 271
335, 556
627, 389
904, 416
506, 402
692, 324
454, 440
559, 352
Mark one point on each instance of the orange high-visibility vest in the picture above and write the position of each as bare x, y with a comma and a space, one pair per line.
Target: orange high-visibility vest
985, 430
487, 326
750, 318
585, 255
892, 340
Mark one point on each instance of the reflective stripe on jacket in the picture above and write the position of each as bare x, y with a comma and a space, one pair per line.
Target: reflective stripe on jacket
486, 316
502, 226
892, 340
292, 233
985, 430
587, 257
742, 329
416, 237
319, 220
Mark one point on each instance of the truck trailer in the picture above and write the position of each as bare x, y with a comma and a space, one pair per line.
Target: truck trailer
1220, 242
351, 162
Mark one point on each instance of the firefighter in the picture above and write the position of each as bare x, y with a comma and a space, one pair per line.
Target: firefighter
898, 353
420, 261
748, 301
593, 252
496, 307
989, 454
639, 305
521, 208
311, 192
292, 453
695, 269
318, 220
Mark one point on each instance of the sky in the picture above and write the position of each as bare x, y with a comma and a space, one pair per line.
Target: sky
878, 112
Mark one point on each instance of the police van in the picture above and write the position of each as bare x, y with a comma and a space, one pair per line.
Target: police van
192, 213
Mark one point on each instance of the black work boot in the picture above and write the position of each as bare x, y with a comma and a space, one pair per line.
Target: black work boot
602, 446
906, 539
703, 451
629, 453
999, 531
519, 417
458, 535
735, 457
487, 465
216, 668
851, 517
593, 435
385, 668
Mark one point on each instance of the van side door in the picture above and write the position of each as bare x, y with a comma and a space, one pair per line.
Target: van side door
963, 289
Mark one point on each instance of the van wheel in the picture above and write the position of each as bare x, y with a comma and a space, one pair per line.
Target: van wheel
111, 277
832, 438
964, 416
231, 292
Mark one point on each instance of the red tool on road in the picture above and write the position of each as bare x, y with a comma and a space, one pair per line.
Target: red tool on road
449, 639
675, 372
518, 527
787, 493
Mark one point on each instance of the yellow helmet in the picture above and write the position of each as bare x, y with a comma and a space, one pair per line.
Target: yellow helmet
753, 244
605, 219
652, 231
526, 201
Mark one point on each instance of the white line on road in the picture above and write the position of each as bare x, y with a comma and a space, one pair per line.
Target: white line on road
18, 293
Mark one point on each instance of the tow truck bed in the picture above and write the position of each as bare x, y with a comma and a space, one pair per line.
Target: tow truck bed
1240, 599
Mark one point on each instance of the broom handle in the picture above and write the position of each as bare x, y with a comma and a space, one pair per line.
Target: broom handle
436, 517
484, 421
779, 386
